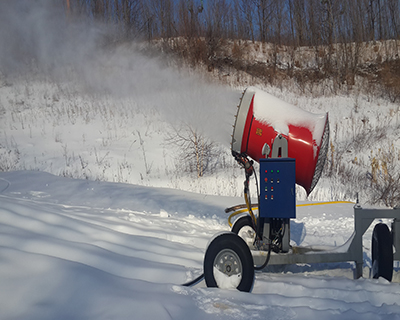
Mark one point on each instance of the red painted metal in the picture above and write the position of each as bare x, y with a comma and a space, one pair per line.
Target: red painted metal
308, 150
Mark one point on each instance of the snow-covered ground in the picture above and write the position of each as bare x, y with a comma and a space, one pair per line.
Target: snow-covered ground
60, 128
78, 249
99, 216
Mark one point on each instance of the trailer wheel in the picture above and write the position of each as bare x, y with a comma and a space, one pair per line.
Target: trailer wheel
228, 263
243, 227
382, 252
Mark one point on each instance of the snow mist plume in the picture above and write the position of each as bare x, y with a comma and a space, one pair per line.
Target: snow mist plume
38, 37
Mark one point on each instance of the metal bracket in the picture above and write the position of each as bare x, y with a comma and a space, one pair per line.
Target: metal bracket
279, 147
266, 150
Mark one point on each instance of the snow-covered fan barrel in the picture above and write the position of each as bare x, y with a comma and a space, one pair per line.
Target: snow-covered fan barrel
262, 118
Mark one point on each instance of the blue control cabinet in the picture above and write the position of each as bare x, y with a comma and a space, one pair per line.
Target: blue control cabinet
277, 188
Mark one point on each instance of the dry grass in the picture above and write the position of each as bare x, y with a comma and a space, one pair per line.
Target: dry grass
352, 67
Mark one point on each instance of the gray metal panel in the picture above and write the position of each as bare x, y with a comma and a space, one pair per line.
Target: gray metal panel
396, 238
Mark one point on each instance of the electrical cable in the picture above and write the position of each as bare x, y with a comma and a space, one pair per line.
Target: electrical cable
253, 218
8, 185
322, 203
194, 281
258, 225
258, 190
258, 268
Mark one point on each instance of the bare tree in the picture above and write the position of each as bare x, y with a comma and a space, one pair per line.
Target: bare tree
188, 15
245, 11
196, 151
299, 17
163, 13
394, 12
263, 10
217, 18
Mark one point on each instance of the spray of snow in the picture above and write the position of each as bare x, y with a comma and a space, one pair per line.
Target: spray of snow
42, 43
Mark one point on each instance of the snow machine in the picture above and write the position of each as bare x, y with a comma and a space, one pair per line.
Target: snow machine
290, 145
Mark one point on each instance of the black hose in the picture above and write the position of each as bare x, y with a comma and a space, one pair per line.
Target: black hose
194, 281
258, 268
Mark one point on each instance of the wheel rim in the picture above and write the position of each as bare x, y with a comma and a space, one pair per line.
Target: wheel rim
228, 249
228, 269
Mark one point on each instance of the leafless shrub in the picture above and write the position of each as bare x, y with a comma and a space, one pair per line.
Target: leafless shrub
380, 183
196, 152
367, 138
389, 78
8, 159
385, 177
146, 164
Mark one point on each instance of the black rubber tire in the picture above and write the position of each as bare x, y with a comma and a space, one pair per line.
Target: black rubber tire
230, 243
242, 222
382, 252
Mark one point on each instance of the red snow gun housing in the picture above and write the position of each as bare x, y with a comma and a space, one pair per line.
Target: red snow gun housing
267, 127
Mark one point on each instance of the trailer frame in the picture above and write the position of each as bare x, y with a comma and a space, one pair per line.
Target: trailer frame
350, 251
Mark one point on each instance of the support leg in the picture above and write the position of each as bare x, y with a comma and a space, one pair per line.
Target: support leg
358, 272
